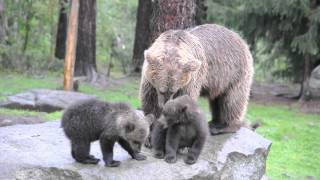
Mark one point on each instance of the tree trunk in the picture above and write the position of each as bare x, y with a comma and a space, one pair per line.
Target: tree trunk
85, 64
3, 23
27, 25
71, 46
141, 41
62, 31
305, 93
172, 14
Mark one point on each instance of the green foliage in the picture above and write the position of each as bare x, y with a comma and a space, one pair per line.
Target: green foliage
115, 25
35, 53
288, 29
115, 22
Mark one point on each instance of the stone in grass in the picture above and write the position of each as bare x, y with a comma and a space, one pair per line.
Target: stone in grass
12, 120
42, 151
43, 100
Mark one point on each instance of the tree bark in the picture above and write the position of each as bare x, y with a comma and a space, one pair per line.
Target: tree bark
305, 93
172, 14
141, 41
61, 37
71, 46
3, 24
85, 64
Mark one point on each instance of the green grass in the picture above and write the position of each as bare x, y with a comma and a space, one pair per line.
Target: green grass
295, 141
295, 137
12, 83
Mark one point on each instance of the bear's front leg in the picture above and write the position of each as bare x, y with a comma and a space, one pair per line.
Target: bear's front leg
149, 103
135, 155
158, 140
195, 150
107, 152
172, 144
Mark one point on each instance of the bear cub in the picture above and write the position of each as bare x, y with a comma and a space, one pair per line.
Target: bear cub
182, 124
91, 120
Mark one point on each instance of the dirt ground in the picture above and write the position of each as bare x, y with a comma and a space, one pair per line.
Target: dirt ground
279, 94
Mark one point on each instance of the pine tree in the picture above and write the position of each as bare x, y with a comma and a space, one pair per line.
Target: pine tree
289, 28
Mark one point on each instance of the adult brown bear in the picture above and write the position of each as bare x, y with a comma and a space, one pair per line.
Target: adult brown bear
210, 59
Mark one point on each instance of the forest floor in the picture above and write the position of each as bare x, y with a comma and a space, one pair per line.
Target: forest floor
283, 94
293, 128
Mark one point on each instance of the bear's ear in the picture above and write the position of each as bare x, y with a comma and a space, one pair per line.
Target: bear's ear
129, 127
148, 57
192, 65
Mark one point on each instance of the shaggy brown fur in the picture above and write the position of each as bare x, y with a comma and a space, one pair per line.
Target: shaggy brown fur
182, 124
208, 58
90, 120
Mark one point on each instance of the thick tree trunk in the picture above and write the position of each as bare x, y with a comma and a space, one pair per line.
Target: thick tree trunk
85, 64
71, 46
305, 93
172, 14
141, 41
157, 16
62, 31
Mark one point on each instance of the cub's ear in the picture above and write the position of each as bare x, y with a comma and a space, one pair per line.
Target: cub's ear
150, 118
184, 109
192, 65
129, 127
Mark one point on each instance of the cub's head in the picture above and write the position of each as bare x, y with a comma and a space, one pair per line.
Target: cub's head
135, 129
174, 110
171, 63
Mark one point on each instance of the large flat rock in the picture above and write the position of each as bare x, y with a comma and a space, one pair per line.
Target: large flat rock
44, 100
42, 151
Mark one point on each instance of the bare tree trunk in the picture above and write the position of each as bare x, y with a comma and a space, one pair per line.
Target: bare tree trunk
305, 93
52, 4
62, 30
85, 64
27, 25
71, 46
141, 41
172, 14
3, 23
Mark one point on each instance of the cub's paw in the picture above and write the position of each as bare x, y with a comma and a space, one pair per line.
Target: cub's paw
190, 160
217, 128
147, 143
89, 160
139, 157
159, 155
170, 159
113, 164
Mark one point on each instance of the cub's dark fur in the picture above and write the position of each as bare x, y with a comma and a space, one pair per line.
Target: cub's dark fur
181, 125
91, 120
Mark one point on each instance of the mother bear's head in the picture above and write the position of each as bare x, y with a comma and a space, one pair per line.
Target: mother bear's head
170, 63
